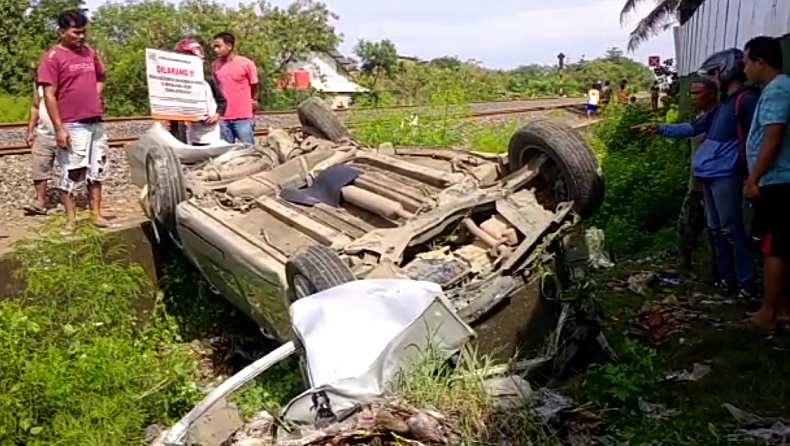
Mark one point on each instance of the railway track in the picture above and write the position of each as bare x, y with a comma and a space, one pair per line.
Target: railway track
123, 131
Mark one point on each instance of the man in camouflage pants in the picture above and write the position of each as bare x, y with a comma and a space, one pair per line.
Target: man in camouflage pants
692, 214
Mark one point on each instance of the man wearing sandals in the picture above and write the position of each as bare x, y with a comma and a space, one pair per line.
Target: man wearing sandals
72, 76
41, 140
768, 184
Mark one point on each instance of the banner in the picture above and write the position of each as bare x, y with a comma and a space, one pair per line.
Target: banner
176, 86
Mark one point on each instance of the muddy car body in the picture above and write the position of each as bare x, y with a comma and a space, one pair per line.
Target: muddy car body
500, 234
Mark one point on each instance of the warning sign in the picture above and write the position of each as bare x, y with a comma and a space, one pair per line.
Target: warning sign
654, 61
176, 86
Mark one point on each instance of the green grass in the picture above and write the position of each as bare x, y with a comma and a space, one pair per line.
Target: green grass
15, 109
77, 365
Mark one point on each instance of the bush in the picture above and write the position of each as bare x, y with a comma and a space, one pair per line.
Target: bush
77, 367
646, 179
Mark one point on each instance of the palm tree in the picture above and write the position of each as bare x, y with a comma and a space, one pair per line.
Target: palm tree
665, 14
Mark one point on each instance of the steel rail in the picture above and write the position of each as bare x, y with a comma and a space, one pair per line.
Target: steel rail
21, 149
22, 125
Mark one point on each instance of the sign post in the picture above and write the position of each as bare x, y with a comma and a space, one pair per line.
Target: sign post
654, 61
176, 89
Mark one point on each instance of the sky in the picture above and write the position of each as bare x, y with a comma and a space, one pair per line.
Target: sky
499, 33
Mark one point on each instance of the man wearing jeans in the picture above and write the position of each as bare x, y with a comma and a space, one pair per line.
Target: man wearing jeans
717, 165
72, 76
238, 78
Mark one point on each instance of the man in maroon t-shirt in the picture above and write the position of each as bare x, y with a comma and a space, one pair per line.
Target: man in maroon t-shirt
73, 79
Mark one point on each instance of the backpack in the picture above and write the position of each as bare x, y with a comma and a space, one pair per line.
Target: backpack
742, 135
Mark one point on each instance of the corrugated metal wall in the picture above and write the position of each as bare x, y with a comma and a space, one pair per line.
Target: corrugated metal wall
720, 24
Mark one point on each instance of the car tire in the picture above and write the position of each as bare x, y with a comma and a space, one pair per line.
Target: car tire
313, 269
166, 188
577, 163
317, 114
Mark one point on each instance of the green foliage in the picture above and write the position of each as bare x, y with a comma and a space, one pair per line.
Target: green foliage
76, 365
646, 179
620, 385
441, 126
271, 391
377, 58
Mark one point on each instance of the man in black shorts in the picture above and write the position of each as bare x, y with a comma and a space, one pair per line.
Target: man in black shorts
768, 185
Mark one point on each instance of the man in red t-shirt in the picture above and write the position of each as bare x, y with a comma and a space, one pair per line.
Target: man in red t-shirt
72, 76
237, 77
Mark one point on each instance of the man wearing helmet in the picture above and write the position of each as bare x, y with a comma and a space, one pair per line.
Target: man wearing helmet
207, 130
719, 164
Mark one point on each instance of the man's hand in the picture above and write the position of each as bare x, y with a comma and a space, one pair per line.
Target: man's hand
751, 191
646, 129
30, 138
213, 119
63, 139
254, 104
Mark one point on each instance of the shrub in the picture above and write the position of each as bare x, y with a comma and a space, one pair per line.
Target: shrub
646, 179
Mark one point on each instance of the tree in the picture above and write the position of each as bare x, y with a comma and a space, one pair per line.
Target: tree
665, 14
446, 62
27, 30
268, 35
377, 57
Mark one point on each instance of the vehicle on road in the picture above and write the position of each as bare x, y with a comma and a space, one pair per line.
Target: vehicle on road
302, 212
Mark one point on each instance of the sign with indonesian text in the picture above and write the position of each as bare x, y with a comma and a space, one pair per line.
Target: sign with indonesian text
176, 86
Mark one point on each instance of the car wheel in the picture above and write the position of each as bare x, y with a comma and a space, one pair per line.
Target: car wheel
317, 114
165, 186
572, 172
313, 269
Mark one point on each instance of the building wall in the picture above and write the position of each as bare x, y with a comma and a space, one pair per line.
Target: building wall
321, 67
720, 24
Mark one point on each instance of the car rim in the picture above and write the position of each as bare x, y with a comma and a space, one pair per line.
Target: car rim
550, 172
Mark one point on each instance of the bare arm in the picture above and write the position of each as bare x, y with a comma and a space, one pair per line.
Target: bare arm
101, 74
31, 125
772, 145
255, 89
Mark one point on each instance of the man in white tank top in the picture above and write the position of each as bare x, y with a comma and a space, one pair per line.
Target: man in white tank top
41, 139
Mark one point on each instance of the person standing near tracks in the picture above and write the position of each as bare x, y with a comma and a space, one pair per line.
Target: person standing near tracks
593, 99
717, 164
41, 140
606, 94
691, 221
207, 130
622, 94
655, 92
72, 76
768, 183
238, 78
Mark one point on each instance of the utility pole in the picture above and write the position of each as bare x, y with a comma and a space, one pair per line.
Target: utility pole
561, 65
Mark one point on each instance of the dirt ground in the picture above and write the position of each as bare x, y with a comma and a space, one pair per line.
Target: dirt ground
695, 327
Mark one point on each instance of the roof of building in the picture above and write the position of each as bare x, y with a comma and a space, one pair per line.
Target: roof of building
347, 63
